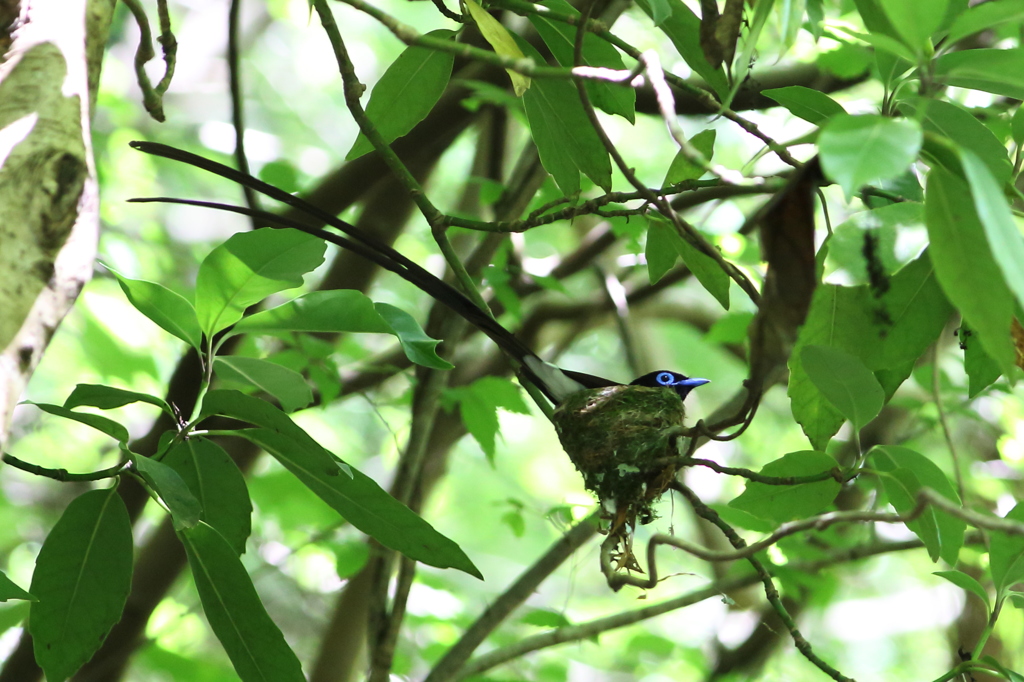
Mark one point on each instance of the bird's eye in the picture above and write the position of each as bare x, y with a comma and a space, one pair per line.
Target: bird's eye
665, 378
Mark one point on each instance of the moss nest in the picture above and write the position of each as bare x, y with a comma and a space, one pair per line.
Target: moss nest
613, 435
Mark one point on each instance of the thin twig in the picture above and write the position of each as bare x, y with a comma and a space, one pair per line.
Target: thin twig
152, 97
64, 474
353, 91
802, 645
946, 433
591, 629
685, 230
513, 597
238, 104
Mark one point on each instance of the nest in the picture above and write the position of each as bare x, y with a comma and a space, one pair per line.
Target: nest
614, 435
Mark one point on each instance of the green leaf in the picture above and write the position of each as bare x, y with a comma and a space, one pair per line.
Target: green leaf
892, 47
1000, 72
915, 21
1006, 555
328, 312
683, 28
981, 370
342, 311
811, 105
478, 406
859, 150
986, 16
1017, 123
228, 403
1001, 229
731, 328
663, 243
418, 347
502, 42
660, 10
406, 92
216, 482
847, 244
545, 618
560, 38
287, 386
909, 471
847, 383
566, 141
96, 421
364, 504
108, 398
965, 267
960, 126
170, 311
682, 168
247, 268
887, 334
253, 642
781, 503
10, 590
82, 577
183, 505
966, 583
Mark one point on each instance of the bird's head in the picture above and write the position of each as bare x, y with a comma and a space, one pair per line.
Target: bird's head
681, 383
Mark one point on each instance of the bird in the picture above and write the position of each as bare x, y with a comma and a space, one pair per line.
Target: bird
555, 383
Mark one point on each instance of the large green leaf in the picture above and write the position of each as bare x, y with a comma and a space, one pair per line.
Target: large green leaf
981, 370
335, 311
613, 98
960, 126
236, 615
108, 398
966, 583
478, 406
247, 268
418, 347
406, 92
1004, 237
811, 105
909, 471
888, 334
566, 140
352, 494
781, 503
216, 482
1006, 554
965, 267
859, 150
682, 168
1000, 72
82, 577
108, 426
915, 20
986, 16
170, 311
10, 590
180, 501
364, 504
503, 43
845, 381
683, 28
286, 385
345, 310
664, 244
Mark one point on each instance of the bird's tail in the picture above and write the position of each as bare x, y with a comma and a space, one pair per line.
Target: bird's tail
365, 245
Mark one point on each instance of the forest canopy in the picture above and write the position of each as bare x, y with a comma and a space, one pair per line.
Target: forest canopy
378, 339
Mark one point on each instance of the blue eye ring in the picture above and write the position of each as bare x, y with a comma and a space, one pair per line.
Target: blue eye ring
665, 378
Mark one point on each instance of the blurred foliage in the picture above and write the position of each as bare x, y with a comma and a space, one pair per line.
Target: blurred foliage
914, 110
